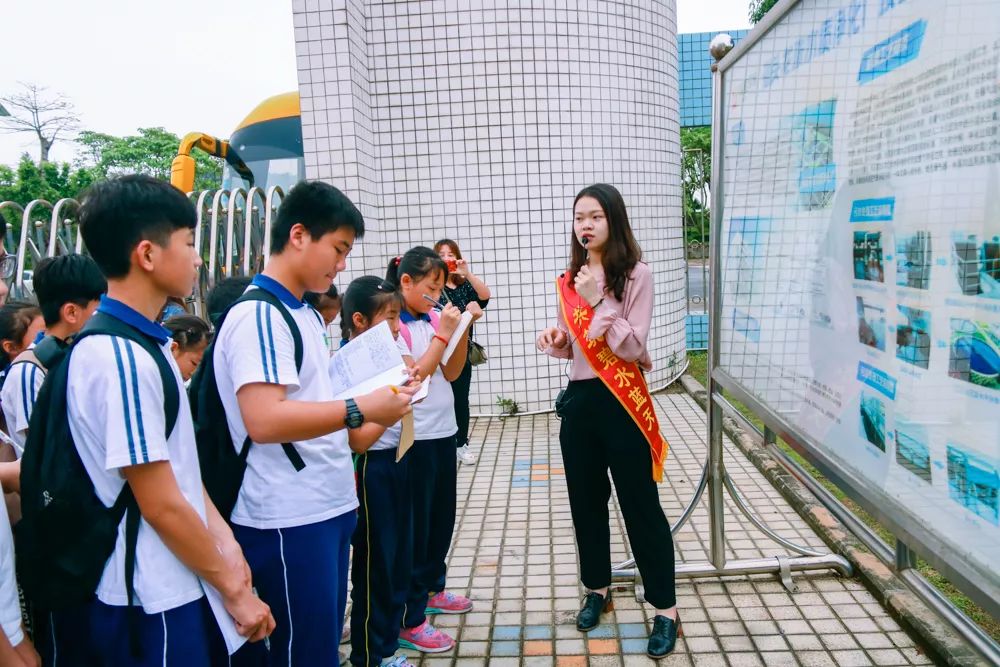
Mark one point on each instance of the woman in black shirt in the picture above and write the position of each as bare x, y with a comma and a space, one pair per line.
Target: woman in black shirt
463, 287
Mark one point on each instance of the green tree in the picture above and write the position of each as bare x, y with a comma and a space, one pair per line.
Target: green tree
696, 172
760, 7
50, 182
149, 152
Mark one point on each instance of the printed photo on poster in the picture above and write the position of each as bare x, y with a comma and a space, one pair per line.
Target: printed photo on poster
912, 452
812, 132
975, 352
873, 427
913, 336
871, 324
913, 260
868, 263
976, 263
974, 483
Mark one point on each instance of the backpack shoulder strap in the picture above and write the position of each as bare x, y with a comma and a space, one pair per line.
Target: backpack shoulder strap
404, 331
102, 324
28, 357
435, 319
260, 294
49, 351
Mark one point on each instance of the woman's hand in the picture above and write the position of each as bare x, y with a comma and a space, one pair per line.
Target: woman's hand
475, 310
462, 268
586, 286
552, 337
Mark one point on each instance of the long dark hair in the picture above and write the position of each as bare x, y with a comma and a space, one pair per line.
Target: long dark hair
367, 295
621, 252
419, 261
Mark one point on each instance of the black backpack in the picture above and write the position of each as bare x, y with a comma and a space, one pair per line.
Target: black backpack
66, 535
222, 467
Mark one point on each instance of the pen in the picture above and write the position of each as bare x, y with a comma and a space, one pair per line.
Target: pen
436, 303
267, 639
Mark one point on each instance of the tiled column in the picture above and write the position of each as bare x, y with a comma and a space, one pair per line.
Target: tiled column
479, 121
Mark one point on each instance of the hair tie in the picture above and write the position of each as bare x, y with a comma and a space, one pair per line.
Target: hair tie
398, 260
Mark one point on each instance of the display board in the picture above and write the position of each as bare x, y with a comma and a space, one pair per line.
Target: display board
859, 285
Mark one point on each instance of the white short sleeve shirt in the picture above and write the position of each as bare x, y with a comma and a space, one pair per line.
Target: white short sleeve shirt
10, 604
20, 389
255, 345
433, 417
115, 400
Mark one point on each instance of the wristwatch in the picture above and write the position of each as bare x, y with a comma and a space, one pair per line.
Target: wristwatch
354, 417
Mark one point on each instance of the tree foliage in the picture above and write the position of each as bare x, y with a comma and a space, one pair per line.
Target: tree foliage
149, 152
696, 172
760, 7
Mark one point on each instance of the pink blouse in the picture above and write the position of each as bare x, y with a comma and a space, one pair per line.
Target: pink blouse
624, 325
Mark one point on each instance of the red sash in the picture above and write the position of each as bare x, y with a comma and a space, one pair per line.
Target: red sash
624, 379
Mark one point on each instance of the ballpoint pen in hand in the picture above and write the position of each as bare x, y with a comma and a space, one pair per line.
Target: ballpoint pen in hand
436, 303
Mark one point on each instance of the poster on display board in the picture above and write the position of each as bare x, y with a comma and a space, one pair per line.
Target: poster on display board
860, 250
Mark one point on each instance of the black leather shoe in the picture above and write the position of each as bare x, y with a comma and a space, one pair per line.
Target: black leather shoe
594, 604
663, 639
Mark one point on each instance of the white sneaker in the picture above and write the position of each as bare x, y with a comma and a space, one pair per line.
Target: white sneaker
465, 455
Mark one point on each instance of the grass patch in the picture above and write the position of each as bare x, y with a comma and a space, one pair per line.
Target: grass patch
698, 368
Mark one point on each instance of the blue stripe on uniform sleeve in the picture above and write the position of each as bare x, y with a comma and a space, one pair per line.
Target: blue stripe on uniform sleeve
138, 405
270, 341
34, 391
125, 408
260, 341
24, 390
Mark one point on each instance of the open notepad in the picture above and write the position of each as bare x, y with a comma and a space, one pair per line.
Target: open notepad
456, 337
370, 362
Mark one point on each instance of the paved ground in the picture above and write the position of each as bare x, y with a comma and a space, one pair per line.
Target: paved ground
514, 555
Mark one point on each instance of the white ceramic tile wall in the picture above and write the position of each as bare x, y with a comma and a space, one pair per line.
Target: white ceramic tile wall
479, 120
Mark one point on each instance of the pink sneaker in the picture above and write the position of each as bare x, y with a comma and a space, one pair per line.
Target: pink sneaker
426, 639
448, 603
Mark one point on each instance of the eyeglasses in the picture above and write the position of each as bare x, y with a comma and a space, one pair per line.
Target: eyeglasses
8, 264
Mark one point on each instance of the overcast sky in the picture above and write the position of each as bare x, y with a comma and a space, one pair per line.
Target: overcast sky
186, 65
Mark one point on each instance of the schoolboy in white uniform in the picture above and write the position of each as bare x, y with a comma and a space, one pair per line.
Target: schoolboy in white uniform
140, 233
67, 288
295, 522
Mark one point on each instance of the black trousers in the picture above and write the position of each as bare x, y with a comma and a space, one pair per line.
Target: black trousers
383, 555
433, 480
460, 388
596, 435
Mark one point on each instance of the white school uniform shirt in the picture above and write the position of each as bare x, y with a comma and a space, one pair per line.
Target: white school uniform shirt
433, 417
10, 604
115, 401
20, 389
390, 438
255, 345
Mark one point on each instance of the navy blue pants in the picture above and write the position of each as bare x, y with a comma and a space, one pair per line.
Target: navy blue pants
383, 556
98, 635
301, 572
433, 478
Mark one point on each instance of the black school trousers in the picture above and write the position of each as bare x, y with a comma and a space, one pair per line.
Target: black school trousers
433, 481
383, 556
598, 435
460, 387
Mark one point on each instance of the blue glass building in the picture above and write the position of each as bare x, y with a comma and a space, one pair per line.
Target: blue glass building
695, 75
